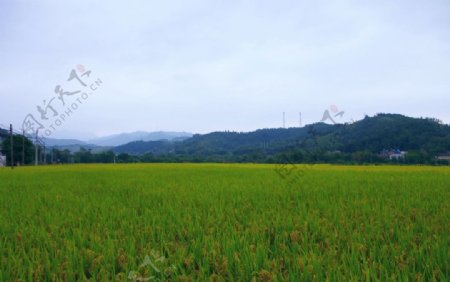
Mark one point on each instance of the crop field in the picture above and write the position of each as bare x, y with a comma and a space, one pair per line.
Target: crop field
224, 222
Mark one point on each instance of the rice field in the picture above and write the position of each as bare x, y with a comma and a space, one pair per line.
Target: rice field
224, 222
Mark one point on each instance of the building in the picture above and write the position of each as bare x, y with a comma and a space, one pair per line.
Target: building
2, 160
443, 157
393, 154
3, 134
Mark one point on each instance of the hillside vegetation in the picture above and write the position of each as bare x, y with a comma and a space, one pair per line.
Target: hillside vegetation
361, 141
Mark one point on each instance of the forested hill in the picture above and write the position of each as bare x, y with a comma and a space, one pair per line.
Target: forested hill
394, 131
228, 142
422, 137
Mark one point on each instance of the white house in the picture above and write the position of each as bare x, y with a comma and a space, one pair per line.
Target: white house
2, 160
443, 157
397, 155
393, 154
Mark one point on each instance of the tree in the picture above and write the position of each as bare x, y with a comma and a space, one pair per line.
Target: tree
61, 157
20, 152
83, 156
124, 158
104, 157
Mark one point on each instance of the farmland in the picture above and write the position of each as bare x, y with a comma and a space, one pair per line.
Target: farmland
222, 222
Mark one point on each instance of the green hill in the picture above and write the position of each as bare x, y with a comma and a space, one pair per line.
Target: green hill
361, 141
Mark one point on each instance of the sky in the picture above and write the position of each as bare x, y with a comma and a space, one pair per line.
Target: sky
203, 66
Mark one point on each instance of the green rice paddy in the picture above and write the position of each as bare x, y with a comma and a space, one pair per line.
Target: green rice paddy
224, 222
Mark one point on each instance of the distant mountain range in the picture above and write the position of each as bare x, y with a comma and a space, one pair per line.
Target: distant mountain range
124, 138
52, 142
104, 143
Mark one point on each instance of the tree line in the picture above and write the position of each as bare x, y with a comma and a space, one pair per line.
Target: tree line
357, 143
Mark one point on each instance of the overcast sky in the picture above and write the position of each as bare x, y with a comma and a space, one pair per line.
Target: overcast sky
202, 66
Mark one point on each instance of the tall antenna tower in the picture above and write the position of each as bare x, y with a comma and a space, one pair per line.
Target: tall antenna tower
284, 120
300, 119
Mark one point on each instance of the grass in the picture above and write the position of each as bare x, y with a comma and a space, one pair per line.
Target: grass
224, 222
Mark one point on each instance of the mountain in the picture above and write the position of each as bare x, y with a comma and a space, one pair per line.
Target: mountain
77, 147
218, 142
124, 138
141, 147
105, 143
361, 140
52, 142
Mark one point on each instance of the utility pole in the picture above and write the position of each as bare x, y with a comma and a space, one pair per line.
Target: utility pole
284, 120
11, 145
36, 149
43, 154
23, 147
300, 119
